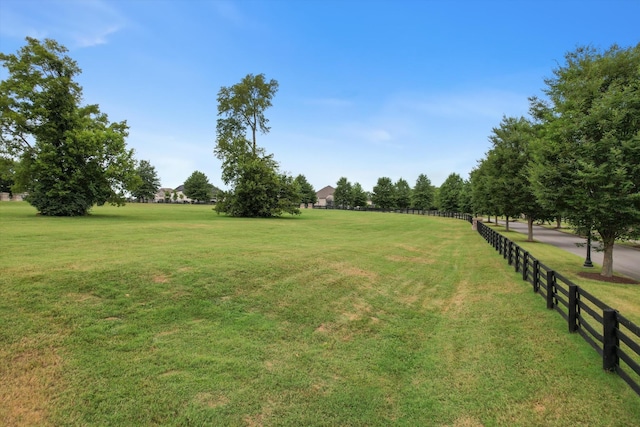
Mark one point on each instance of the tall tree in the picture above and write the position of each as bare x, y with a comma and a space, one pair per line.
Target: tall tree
423, 193
343, 194
510, 184
307, 192
450, 193
149, 182
70, 156
197, 187
359, 197
246, 168
402, 194
7, 174
465, 197
242, 107
383, 195
591, 153
482, 193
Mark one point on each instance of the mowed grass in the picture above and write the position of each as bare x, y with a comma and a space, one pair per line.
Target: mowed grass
172, 315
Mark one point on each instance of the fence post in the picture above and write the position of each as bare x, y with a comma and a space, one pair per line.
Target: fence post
525, 265
573, 308
504, 247
536, 275
510, 252
550, 289
517, 263
610, 340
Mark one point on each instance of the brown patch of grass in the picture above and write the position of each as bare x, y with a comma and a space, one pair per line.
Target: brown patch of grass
467, 421
350, 270
544, 410
160, 278
359, 308
211, 400
409, 299
323, 328
28, 377
458, 299
258, 420
413, 260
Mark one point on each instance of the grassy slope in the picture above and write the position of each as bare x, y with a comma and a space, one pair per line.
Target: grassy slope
171, 315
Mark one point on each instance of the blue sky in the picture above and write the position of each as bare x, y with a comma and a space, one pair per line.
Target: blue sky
367, 88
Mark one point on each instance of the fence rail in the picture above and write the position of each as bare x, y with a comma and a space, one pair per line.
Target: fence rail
613, 336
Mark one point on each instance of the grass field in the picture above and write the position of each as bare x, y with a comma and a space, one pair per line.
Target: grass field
172, 315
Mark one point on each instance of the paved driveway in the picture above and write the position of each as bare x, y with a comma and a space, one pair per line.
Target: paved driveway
626, 260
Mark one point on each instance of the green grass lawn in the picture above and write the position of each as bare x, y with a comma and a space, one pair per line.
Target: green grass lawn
172, 315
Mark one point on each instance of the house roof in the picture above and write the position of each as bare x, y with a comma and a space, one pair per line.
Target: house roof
325, 192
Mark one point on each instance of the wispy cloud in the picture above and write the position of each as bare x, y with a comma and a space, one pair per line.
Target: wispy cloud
479, 104
78, 23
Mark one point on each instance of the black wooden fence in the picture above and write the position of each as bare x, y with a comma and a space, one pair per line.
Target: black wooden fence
612, 335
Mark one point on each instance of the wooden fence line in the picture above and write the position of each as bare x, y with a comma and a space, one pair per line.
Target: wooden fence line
619, 342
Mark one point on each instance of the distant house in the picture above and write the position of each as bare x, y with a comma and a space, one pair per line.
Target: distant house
6, 197
182, 198
325, 196
160, 195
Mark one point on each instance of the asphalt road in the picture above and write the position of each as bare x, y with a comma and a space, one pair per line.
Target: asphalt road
626, 260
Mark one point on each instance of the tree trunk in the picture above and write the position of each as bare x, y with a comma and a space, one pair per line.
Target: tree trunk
529, 229
507, 223
607, 263
558, 222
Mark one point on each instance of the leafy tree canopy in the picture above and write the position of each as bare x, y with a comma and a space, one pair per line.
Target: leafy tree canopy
343, 194
423, 193
149, 182
402, 194
359, 197
383, 195
307, 192
588, 153
258, 189
449, 193
7, 174
197, 187
70, 157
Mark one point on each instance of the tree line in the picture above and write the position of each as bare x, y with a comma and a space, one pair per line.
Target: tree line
386, 194
577, 155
